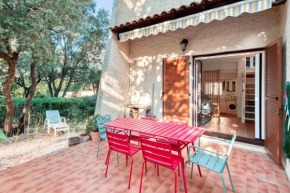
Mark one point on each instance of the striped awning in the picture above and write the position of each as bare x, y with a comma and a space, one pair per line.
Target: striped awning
233, 10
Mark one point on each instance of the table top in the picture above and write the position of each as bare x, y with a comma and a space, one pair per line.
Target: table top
176, 131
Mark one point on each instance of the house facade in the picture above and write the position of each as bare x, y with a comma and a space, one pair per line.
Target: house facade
229, 38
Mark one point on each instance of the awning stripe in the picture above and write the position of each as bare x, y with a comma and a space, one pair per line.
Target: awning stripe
233, 10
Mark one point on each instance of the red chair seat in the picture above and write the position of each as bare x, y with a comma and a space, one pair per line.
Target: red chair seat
134, 149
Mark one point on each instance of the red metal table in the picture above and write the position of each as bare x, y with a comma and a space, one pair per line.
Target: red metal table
175, 131
179, 132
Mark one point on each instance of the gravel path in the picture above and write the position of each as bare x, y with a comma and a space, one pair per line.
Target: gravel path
28, 147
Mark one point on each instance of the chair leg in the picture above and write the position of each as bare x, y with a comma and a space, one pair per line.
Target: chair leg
230, 177
157, 170
144, 162
191, 172
146, 166
130, 172
182, 185
187, 153
175, 181
98, 148
117, 158
183, 176
199, 170
126, 160
108, 163
223, 181
107, 158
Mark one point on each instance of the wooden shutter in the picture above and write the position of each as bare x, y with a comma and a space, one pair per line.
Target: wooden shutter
176, 88
273, 82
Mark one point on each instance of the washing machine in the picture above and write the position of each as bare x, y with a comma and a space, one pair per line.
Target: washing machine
232, 107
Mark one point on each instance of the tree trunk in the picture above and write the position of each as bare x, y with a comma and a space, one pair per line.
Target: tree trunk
21, 122
26, 91
67, 86
50, 88
8, 98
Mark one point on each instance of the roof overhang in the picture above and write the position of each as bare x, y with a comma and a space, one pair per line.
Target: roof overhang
191, 15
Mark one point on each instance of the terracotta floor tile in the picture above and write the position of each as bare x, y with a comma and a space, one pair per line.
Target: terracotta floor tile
78, 170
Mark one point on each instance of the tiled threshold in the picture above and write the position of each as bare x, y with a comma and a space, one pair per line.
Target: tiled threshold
241, 145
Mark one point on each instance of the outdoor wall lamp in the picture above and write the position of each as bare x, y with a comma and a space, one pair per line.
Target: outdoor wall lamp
183, 44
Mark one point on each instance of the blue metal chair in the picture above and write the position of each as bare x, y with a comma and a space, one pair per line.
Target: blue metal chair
102, 131
211, 160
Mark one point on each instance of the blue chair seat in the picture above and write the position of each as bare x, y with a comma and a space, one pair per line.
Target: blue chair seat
208, 161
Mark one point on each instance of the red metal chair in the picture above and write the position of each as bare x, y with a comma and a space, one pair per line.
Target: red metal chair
158, 151
118, 141
177, 120
150, 117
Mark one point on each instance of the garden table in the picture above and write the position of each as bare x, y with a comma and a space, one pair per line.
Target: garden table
174, 131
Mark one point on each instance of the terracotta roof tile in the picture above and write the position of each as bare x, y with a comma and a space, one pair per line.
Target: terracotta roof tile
174, 13
173, 10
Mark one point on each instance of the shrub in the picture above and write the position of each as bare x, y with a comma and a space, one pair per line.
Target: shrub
286, 147
91, 124
73, 109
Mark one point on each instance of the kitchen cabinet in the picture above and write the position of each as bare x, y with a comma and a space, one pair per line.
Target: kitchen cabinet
229, 86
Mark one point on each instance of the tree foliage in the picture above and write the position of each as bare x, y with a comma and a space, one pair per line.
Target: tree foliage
79, 51
52, 37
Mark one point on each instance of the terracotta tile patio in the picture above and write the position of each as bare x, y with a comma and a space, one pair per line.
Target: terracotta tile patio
77, 170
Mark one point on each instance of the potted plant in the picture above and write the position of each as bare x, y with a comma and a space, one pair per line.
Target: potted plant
92, 128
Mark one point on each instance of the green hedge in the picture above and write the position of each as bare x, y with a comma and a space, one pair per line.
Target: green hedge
73, 109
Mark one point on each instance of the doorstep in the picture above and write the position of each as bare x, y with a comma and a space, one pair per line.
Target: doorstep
246, 146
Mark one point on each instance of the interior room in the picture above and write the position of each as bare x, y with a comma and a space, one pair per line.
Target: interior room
228, 95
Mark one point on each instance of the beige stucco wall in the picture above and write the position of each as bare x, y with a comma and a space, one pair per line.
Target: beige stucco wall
131, 68
244, 32
114, 89
114, 85
285, 33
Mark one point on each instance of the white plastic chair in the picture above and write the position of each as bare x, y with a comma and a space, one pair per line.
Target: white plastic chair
54, 121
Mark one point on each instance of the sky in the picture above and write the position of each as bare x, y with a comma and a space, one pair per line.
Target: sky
107, 4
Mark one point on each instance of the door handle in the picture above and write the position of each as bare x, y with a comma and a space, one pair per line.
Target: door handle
280, 110
276, 98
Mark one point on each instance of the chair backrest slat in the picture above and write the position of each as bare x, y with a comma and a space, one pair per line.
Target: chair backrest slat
118, 140
150, 117
103, 119
53, 116
155, 158
177, 120
100, 121
156, 150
